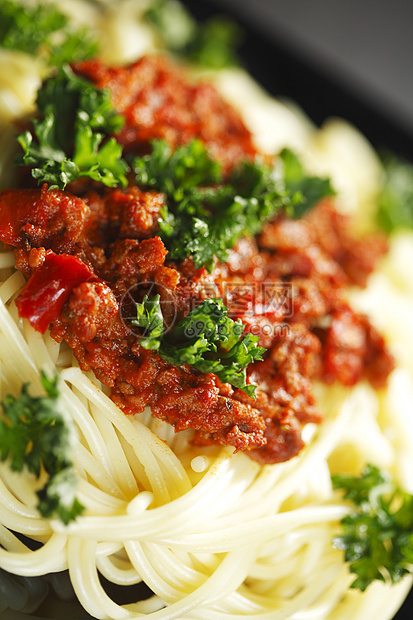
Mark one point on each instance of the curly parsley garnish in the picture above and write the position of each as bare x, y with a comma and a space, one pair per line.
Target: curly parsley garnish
210, 44
70, 138
36, 434
205, 216
43, 29
378, 535
396, 195
305, 190
206, 339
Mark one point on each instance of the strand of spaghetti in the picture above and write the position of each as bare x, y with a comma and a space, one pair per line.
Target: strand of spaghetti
269, 563
178, 565
245, 602
53, 347
306, 596
95, 499
38, 350
11, 286
21, 518
92, 467
292, 474
81, 555
227, 577
257, 531
140, 503
123, 472
117, 570
295, 541
140, 557
10, 368
172, 471
7, 260
327, 438
328, 600
378, 601
87, 427
201, 504
145, 450
51, 557
285, 566
176, 573
15, 342
398, 406
85, 580
170, 468
135, 463
22, 490
40, 354
9, 541
107, 547
265, 482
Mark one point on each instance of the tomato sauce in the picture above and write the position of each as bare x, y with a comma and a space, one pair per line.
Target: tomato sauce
90, 257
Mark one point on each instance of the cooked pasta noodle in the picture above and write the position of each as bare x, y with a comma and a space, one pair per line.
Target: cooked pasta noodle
212, 534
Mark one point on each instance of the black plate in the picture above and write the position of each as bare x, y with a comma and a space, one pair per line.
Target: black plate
283, 71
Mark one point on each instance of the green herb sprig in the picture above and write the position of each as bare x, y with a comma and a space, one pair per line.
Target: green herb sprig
207, 339
305, 190
211, 44
395, 210
36, 434
43, 29
69, 139
204, 215
377, 536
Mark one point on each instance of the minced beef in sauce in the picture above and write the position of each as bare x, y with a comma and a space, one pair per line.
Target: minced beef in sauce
89, 257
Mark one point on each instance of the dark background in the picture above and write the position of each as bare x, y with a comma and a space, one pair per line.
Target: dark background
365, 44
352, 59
349, 58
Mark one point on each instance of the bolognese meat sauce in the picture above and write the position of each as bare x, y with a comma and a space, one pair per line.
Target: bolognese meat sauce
86, 258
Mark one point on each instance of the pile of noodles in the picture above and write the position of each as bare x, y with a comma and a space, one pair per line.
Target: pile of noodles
212, 535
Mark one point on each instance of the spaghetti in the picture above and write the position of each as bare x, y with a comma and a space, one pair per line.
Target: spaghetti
212, 534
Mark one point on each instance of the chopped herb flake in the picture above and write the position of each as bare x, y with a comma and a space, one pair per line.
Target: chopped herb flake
396, 196
378, 535
206, 339
43, 29
36, 434
70, 139
204, 215
210, 44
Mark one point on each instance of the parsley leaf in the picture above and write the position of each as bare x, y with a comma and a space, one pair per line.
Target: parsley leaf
378, 536
149, 316
36, 433
211, 44
178, 173
305, 190
203, 216
396, 196
76, 45
43, 29
69, 140
207, 339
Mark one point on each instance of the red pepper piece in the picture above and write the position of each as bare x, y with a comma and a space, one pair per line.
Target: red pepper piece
50, 287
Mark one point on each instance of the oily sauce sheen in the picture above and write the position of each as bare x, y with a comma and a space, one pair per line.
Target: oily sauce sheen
90, 253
